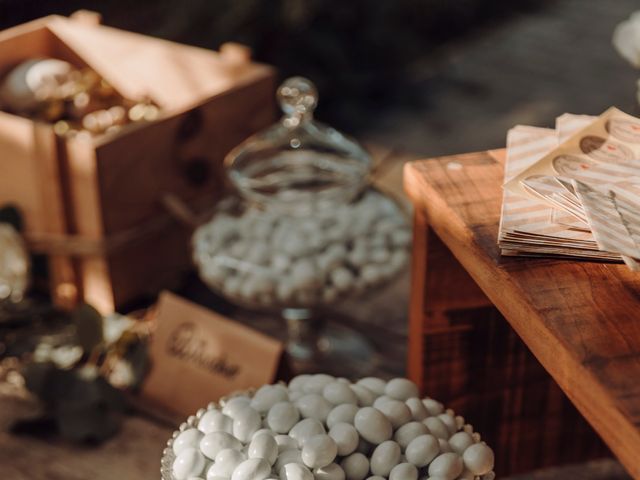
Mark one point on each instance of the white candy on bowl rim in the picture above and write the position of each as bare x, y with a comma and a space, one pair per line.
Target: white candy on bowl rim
265, 260
342, 442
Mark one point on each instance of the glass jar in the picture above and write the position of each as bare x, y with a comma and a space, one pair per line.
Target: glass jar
304, 227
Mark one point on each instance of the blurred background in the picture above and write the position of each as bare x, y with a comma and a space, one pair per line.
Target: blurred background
417, 78
429, 76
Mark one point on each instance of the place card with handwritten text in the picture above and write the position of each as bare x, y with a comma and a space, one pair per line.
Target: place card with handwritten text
198, 356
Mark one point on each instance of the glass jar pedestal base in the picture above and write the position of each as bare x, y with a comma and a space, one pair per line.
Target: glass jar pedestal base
321, 342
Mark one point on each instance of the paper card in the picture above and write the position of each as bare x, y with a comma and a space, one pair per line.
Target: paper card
606, 151
525, 146
613, 225
198, 356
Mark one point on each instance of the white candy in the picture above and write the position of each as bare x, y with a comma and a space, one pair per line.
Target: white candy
282, 417
316, 383
215, 421
447, 465
401, 238
365, 396
319, 451
422, 450
305, 261
384, 458
342, 414
295, 471
305, 429
235, 405
296, 395
20, 87
396, 411
263, 446
372, 425
305, 274
401, 389
267, 430
189, 438
418, 411
314, 406
358, 445
381, 400
437, 427
280, 262
406, 433
371, 274
433, 407
225, 463
444, 446
298, 382
252, 469
329, 472
376, 385
460, 442
478, 459
355, 466
246, 422
339, 393
267, 396
189, 463
404, 471
213, 442
466, 475
342, 278
449, 421
346, 438
286, 457
285, 442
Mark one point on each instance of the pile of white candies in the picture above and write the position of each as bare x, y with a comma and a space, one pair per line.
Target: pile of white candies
326, 428
263, 258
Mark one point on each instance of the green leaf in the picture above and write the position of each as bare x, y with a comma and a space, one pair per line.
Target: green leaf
89, 423
88, 322
37, 377
138, 355
88, 410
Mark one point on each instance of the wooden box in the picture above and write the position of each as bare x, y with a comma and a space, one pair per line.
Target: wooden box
97, 206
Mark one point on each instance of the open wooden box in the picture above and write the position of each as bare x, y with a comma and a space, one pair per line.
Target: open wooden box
96, 205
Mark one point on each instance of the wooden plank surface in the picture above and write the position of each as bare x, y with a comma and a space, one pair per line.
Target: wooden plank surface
579, 319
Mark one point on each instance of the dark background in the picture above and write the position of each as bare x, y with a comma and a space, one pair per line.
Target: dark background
362, 54
428, 76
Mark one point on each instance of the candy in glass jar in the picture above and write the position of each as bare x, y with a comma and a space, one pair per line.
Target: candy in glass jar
304, 228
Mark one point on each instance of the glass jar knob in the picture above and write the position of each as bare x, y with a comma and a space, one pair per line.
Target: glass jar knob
298, 98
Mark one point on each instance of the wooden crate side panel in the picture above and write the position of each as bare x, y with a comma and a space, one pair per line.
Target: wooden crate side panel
85, 210
415, 350
181, 155
19, 174
438, 284
481, 368
63, 274
24, 42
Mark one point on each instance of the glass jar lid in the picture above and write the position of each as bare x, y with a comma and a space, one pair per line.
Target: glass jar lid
298, 165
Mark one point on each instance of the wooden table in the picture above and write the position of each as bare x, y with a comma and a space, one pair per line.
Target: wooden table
581, 320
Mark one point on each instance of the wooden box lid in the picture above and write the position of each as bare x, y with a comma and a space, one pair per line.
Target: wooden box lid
131, 62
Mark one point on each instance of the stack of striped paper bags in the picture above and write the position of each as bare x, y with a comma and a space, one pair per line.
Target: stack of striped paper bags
574, 191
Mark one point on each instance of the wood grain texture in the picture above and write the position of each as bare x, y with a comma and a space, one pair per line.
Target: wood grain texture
579, 319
